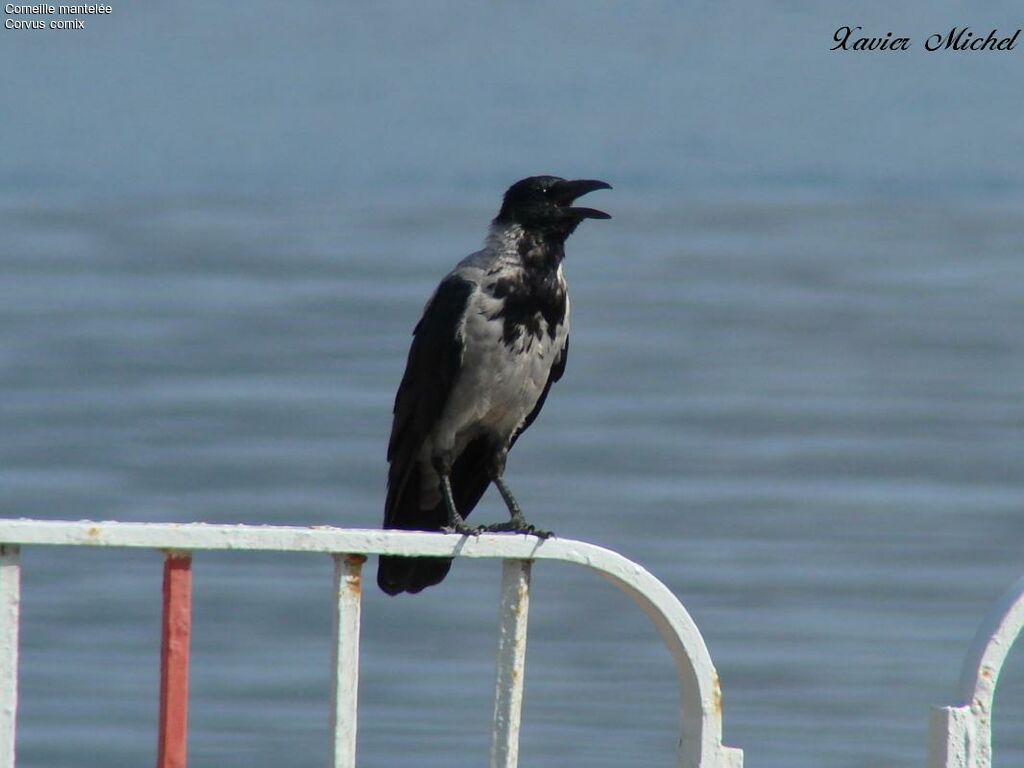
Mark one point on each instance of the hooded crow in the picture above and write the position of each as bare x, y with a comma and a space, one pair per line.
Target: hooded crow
493, 339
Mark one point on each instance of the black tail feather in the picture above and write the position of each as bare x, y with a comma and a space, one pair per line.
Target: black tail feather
410, 574
413, 574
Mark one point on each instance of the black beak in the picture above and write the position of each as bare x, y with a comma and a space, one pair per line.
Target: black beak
571, 190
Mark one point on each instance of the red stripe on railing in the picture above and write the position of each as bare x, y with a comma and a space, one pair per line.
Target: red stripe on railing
177, 625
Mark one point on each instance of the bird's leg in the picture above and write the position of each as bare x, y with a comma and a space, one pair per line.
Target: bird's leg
517, 523
510, 501
456, 522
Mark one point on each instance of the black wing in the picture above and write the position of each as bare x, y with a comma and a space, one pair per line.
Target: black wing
434, 362
556, 373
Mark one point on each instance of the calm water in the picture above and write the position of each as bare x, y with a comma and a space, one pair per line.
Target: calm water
794, 391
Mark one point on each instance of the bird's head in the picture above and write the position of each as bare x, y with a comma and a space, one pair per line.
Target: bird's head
546, 203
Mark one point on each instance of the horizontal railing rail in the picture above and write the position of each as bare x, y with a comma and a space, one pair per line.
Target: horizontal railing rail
700, 741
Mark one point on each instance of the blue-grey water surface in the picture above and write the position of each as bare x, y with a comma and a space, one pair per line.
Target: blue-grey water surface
794, 392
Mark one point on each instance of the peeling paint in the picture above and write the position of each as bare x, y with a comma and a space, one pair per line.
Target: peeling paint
177, 554
354, 584
511, 666
354, 576
345, 659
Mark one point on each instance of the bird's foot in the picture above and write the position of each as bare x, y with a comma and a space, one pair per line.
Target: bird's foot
462, 529
518, 525
456, 522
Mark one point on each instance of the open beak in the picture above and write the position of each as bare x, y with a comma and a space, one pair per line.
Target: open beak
571, 190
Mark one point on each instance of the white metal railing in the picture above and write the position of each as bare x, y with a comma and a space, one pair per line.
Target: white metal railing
700, 741
961, 736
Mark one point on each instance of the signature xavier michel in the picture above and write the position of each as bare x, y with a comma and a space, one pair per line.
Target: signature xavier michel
957, 39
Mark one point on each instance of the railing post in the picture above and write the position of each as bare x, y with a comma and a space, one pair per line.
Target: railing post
508, 692
951, 738
345, 659
10, 599
172, 750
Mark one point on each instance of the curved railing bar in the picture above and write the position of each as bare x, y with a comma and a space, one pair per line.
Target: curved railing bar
992, 643
701, 724
960, 736
984, 661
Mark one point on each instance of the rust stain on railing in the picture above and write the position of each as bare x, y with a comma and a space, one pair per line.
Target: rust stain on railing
354, 579
716, 695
